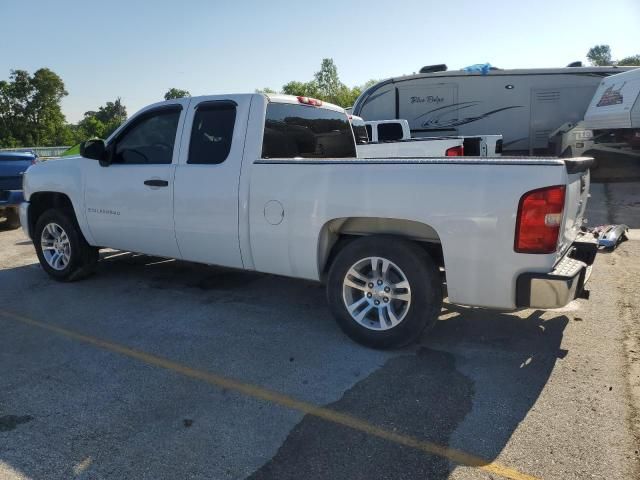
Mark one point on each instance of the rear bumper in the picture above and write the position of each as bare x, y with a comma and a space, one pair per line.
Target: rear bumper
562, 285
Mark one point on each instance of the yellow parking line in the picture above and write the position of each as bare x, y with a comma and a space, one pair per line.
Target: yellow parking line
456, 456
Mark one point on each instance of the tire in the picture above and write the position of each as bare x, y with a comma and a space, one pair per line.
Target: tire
401, 314
13, 220
79, 258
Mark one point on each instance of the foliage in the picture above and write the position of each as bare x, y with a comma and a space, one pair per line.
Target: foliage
75, 150
600, 55
326, 86
266, 90
176, 93
101, 123
633, 60
30, 112
305, 89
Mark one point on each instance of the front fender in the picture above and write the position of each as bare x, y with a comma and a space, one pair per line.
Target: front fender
63, 176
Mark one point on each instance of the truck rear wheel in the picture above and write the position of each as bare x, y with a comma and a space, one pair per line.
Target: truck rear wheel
384, 291
62, 250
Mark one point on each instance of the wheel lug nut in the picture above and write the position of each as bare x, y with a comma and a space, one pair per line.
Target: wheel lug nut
371, 285
377, 302
387, 289
385, 299
379, 282
369, 295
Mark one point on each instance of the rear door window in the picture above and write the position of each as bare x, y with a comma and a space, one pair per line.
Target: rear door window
301, 131
212, 132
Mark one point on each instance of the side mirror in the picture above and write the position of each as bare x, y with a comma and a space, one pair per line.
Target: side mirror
96, 150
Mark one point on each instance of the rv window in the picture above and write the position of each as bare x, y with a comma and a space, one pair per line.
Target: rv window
389, 132
292, 131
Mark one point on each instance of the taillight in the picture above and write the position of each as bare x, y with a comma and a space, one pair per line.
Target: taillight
539, 219
310, 101
455, 151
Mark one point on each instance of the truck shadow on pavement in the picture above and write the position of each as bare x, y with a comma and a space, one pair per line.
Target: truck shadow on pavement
468, 384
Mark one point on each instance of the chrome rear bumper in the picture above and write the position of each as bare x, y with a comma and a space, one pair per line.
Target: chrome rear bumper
562, 285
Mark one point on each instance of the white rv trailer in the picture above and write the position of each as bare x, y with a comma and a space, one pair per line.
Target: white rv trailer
616, 103
524, 106
610, 131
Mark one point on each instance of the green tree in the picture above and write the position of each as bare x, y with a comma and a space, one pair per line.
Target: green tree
101, 123
6, 116
266, 90
600, 55
30, 113
304, 89
44, 113
176, 93
633, 60
327, 80
112, 112
326, 86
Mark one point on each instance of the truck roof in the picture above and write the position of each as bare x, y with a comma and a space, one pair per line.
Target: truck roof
271, 97
280, 98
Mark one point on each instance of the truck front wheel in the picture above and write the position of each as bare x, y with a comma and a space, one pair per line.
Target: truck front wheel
62, 250
384, 291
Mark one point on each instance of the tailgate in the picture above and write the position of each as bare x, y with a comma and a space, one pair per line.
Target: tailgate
576, 196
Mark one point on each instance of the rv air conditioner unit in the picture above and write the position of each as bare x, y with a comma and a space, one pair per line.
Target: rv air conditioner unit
434, 68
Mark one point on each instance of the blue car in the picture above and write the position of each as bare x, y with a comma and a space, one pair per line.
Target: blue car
12, 167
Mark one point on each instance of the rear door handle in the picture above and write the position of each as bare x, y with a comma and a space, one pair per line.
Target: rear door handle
154, 182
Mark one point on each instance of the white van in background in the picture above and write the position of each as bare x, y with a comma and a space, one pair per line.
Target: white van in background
384, 131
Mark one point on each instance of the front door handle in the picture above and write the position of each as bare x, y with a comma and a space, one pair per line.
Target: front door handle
154, 182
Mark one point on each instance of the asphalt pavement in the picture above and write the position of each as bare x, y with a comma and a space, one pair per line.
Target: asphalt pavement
162, 369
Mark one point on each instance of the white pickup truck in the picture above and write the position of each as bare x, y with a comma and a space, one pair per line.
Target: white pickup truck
395, 136
413, 147
270, 183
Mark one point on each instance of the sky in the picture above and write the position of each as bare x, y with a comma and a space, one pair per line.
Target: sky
137, 50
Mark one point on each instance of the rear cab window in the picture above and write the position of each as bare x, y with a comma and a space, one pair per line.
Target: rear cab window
389, 132
303, 131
